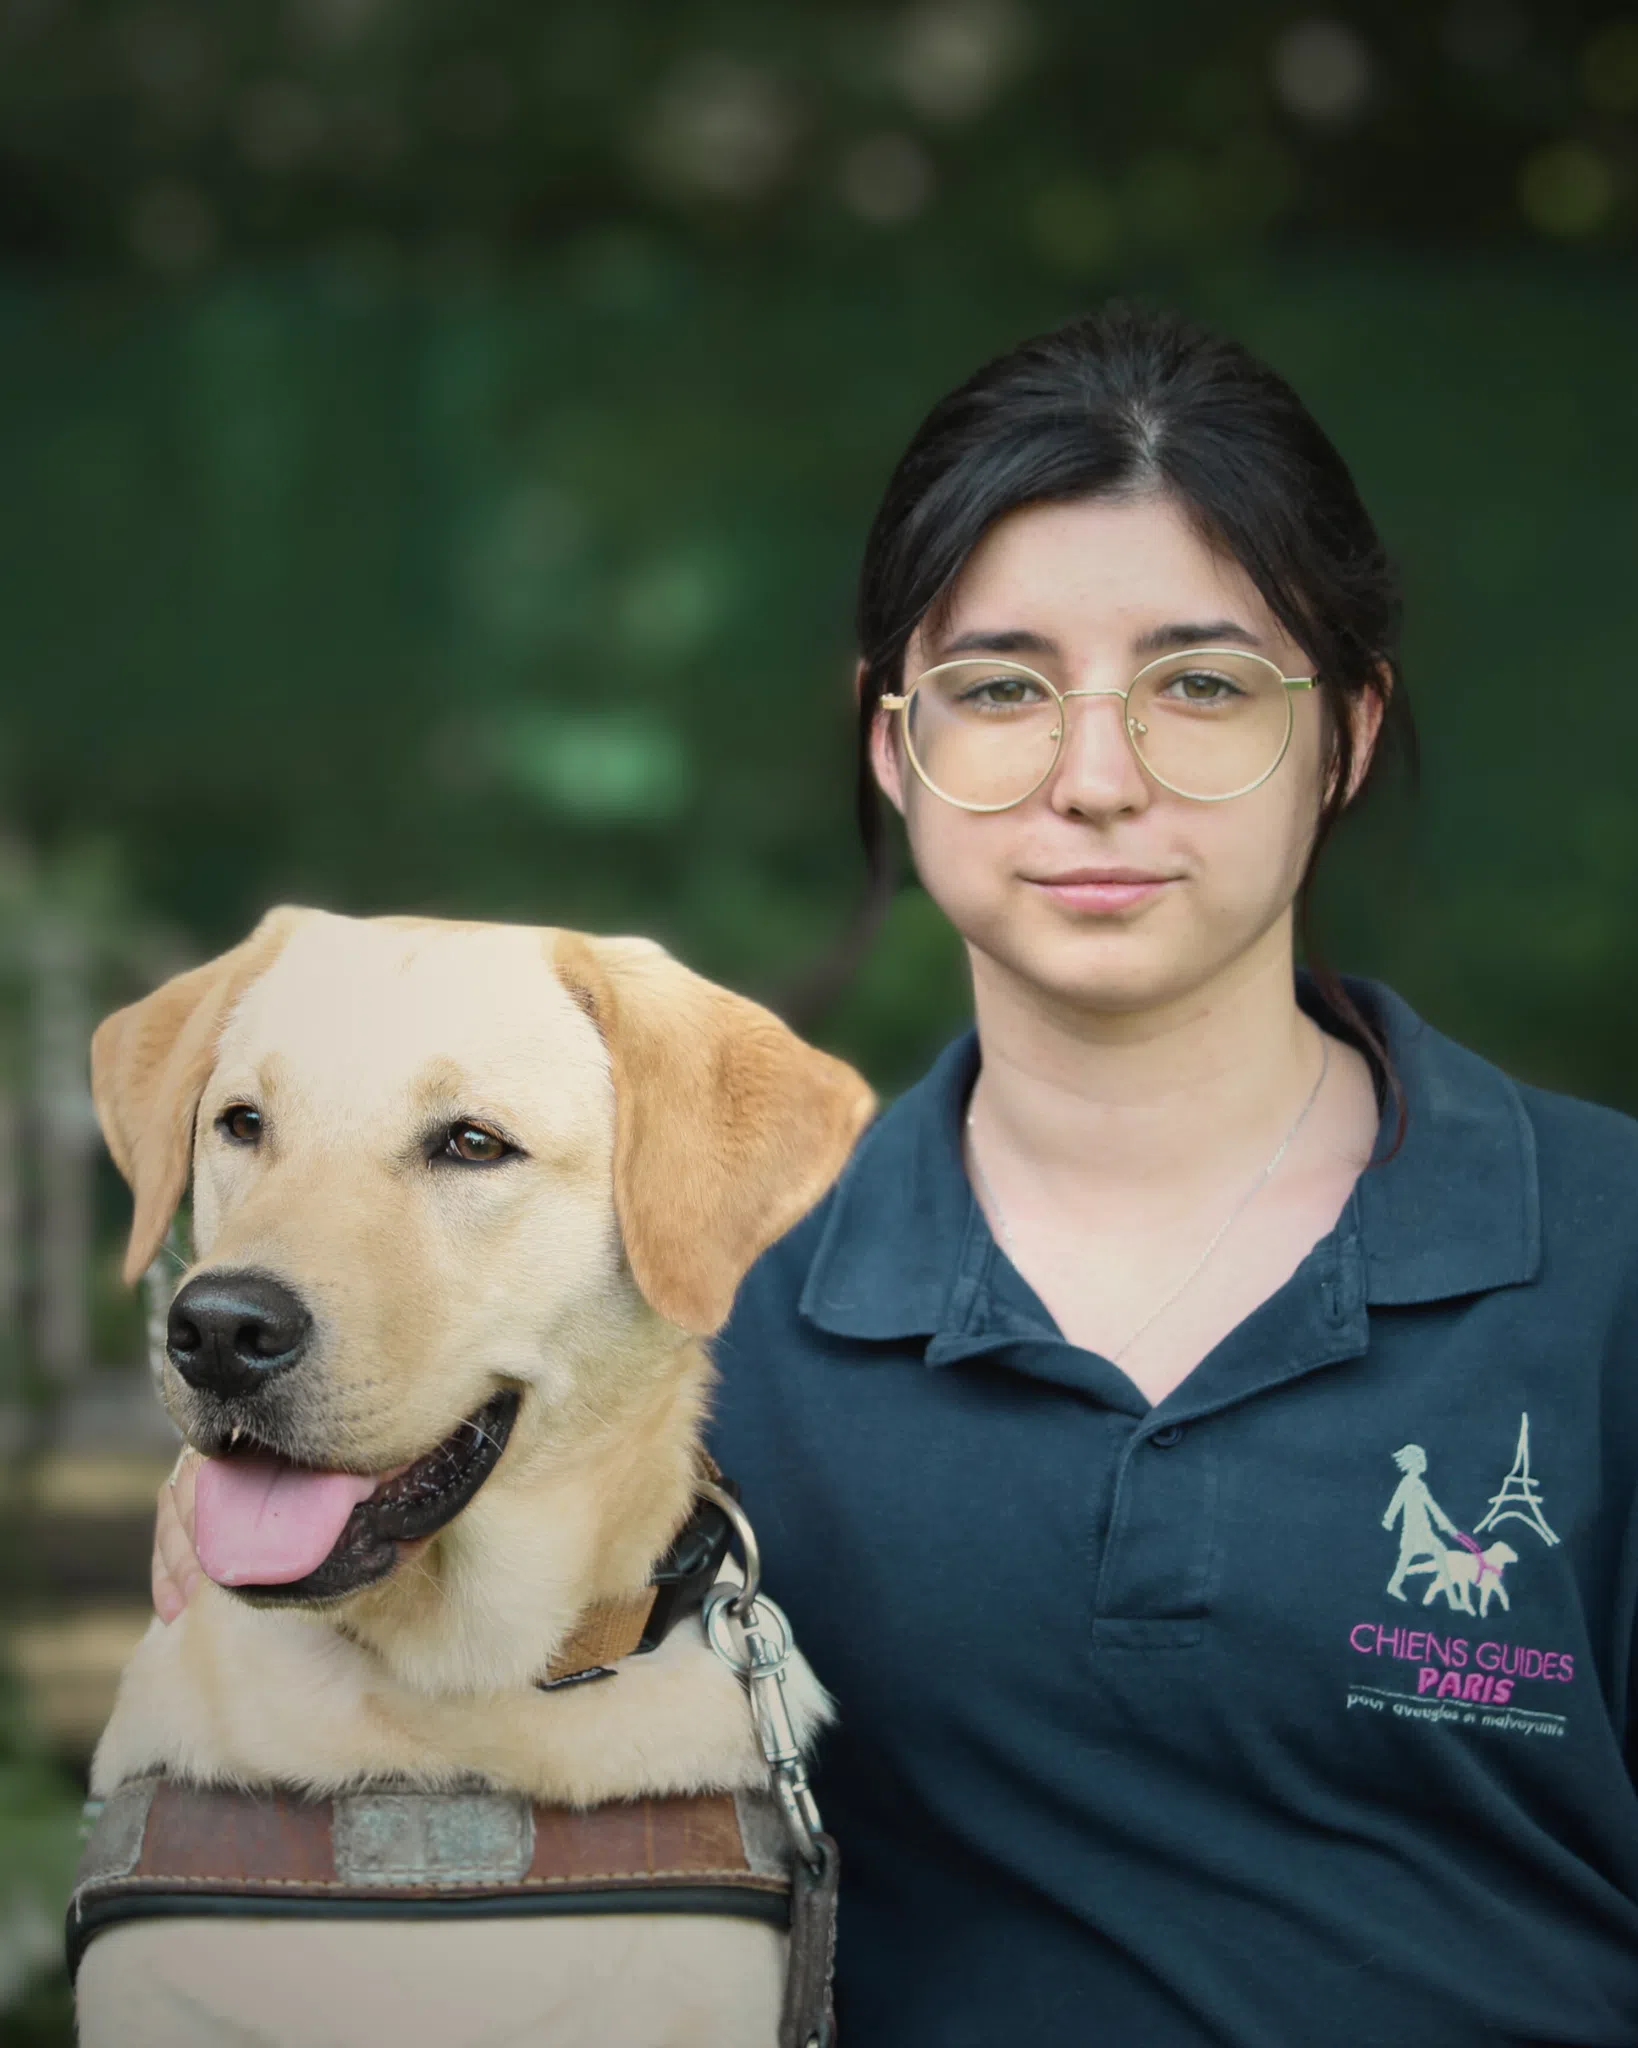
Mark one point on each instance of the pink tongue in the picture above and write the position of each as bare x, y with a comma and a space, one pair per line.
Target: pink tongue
261, 1522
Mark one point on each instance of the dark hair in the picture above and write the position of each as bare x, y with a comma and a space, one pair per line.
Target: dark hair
1120, 404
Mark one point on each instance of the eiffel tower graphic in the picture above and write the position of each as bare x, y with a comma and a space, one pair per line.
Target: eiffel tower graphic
1519, 1499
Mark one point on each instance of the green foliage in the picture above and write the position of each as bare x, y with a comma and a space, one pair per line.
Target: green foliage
39, 1847
535, 604
170, 135
439, 441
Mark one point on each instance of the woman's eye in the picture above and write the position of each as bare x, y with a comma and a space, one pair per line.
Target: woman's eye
1201, 686
1003, 693
474, 1146
241, 1123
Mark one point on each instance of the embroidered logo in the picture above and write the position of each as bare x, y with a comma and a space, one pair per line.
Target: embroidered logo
1458, 1573
1520, 1498
1460, 1678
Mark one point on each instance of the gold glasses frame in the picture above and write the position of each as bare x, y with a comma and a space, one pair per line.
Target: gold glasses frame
1130, 726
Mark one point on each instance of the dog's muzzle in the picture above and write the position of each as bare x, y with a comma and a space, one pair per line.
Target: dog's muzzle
413, 1505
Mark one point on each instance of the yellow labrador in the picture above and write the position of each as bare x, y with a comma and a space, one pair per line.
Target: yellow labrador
466, 1198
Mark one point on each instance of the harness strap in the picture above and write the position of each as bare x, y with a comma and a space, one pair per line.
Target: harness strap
160, 1848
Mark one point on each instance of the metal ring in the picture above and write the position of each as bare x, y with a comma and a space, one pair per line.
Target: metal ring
720, 1603
750, 1553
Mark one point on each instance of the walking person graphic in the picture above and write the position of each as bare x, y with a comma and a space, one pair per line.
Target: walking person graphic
1418, 1514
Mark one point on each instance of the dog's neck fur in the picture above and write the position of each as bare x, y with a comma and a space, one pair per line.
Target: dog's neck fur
429, 1678
489, 1602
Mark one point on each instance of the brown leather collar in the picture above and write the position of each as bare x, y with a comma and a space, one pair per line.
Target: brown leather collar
603, 1635
615, 1629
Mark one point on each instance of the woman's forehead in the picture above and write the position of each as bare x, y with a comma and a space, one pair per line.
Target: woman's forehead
1123, 566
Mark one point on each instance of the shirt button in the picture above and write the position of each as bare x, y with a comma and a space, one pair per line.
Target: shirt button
1164, 1439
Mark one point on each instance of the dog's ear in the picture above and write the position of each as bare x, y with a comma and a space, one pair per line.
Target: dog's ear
149, 1065
728, 1127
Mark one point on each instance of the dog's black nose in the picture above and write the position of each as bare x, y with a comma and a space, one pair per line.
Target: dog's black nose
229, 1333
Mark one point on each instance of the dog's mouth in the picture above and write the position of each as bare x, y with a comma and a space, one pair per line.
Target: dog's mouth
280, 1533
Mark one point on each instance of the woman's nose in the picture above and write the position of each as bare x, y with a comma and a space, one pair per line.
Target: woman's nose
1097, 773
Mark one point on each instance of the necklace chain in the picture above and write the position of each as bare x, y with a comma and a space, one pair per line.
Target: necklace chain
1218, 1236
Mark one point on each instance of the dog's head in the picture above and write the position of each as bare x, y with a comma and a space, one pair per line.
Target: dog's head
462, 1195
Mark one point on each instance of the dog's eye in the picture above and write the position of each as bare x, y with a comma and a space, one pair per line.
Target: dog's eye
241, 1123
475, 1146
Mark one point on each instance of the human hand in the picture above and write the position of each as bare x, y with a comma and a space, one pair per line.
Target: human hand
176, 1567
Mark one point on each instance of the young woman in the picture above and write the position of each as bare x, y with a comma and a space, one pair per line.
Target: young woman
1196, 1439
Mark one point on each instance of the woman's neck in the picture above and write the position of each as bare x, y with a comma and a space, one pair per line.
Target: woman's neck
1126, 1109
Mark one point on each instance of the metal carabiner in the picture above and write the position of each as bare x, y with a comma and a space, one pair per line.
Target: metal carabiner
767, 1650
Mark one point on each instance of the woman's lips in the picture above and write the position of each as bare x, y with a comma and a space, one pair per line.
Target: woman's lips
1102, 891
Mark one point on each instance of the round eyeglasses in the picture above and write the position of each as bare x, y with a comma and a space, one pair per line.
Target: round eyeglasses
1208, 723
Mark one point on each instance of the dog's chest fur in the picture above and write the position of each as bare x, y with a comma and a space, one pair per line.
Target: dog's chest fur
227, 1693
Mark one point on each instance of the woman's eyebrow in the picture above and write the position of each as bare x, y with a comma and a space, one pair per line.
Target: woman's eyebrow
1213, 633
1158, 640
1011, 640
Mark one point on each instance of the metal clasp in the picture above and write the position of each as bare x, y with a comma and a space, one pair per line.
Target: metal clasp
760, 1656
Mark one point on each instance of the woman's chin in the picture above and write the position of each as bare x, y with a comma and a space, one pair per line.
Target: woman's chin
1114, 974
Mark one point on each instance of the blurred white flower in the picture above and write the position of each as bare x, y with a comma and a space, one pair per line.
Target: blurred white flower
1322, 70
721, 126
955, 56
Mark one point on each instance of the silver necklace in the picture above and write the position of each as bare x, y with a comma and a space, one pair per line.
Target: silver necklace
1222, 1230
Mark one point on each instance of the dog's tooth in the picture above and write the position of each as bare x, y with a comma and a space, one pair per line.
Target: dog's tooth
234, 1438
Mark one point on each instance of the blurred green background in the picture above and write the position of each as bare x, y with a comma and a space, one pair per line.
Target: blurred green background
437, 444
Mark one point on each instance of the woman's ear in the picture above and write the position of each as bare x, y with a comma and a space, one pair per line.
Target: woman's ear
727, 1126
886, 751
1366, 711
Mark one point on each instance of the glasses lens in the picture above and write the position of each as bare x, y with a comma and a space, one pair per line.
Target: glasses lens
1210, 725
983, 733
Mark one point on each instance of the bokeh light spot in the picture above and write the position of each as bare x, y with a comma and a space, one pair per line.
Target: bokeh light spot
1609, 68
1484, 35
172, 229
1566, 189
955, 56
886, 179
722, 127
1075, 226
599, 767
279, 125
1321, 71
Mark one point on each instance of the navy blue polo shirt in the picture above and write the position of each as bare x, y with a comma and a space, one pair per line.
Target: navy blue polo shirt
1295, 1709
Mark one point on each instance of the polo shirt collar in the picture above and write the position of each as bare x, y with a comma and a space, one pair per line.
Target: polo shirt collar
1457, 1209
905, 1251
903, 1228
